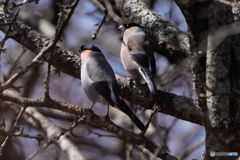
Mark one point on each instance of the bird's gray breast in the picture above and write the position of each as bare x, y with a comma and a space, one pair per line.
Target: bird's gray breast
87, 84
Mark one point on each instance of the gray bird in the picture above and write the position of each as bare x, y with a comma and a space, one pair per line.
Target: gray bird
137, 54
99, 82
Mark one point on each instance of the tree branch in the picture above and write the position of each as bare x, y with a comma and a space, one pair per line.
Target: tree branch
51, 130
168, 103
167, 39
87, 116
61, 59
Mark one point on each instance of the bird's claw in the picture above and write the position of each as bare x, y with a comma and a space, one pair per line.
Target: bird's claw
107, 116
130, 80
142, 133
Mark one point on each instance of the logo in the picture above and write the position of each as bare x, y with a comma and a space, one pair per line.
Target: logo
212, 153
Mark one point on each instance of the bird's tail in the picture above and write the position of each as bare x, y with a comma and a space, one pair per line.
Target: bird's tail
147, 77
124, 108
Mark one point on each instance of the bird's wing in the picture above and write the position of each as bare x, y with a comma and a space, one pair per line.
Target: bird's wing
103, 79
141, 59
136, 51
148, 48
103, 89
141, 49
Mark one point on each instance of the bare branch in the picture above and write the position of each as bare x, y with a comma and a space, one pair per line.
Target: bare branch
94, 35
13, 128
70, 129
191, 148
64, 16
8, 31
63, 60
87, 117
22, 71
38, 137
51, 129
14, 5
15, 61
168, 103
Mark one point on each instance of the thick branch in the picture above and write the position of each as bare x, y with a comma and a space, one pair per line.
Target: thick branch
168, 40
218, 83
89, 117
177, 106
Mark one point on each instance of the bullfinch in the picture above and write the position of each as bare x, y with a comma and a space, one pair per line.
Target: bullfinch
99, 82
137, 54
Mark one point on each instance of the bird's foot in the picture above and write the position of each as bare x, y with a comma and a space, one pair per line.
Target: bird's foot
91, 110
107, 116
142, 133
130, 80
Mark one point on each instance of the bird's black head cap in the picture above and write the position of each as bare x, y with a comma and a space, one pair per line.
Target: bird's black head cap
132, 24
89, 47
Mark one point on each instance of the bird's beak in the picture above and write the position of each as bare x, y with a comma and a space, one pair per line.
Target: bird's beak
120, 27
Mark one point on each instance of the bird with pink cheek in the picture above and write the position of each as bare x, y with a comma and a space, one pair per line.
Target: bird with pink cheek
99, 82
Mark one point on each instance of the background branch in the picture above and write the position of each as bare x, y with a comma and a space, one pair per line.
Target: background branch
51, 130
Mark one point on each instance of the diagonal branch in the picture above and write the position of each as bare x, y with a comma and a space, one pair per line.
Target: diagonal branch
87, 117
167, 39
51, 129
168, 103
62, 60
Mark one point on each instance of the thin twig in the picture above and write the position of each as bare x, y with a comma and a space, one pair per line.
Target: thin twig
44, 146
129, 148
154, 110
104, 135
65, 14
94, 35
174, 122
33, 154
6, 35
111, 13
13, 128
70, 129
191, 148
46, 83
38, 137
15, 61
14, 5
106, 11
2, 43
22, 71
19, 116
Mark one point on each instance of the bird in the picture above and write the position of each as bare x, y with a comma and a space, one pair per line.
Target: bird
99, 82
137, 54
